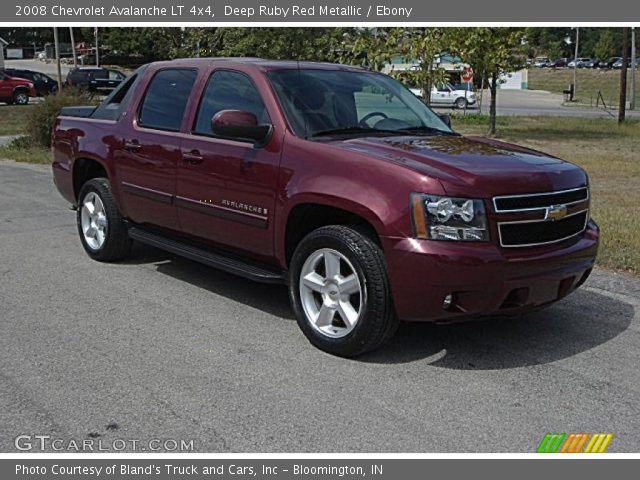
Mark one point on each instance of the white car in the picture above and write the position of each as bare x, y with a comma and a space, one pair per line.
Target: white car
449, 96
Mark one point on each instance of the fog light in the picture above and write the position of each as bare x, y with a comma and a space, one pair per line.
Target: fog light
448, 301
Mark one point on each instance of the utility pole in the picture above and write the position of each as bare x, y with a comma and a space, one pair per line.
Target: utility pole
57, 47
73, 48
632, 100
95, 34
623, 75
575, 65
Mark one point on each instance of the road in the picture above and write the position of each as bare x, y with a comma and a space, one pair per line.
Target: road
540, 103
161, 347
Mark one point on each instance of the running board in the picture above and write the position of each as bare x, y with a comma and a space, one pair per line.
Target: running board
217, 260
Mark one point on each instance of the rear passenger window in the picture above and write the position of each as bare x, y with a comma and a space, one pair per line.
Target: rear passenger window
166, 98
227, 90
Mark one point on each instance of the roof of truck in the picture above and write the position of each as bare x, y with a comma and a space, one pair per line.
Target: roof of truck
265, 64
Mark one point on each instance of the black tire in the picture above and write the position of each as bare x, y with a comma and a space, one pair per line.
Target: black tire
461, 103
20, 98
117, 243
377, 322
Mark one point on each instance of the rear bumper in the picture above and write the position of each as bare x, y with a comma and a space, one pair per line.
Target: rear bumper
484, 278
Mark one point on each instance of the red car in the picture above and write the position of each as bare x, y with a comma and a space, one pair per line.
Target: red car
334, 180
14, 90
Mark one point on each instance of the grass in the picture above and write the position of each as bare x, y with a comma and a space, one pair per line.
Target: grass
610, 155
589, 81
27, 154
13, 119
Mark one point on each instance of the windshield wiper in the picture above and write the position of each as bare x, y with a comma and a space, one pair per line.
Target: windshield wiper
351, 130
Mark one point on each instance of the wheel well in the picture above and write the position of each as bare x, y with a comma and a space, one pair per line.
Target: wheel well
85, 169
305, 218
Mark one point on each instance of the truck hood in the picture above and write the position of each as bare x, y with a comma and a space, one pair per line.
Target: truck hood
473, 166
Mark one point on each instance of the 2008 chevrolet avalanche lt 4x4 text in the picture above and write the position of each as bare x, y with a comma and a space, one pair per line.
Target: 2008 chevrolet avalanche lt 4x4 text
332, 179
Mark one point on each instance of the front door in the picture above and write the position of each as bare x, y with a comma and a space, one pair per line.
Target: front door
226, 188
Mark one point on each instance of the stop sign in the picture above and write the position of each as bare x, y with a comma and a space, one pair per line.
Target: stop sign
467, 74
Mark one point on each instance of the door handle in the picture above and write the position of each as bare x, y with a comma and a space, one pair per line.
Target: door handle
193, 157
132, 146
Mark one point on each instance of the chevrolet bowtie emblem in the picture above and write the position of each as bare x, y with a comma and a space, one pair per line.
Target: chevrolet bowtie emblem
556, 212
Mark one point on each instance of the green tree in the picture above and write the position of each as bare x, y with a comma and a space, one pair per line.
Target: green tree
605, 46
492, 51
415, 45
318, 44
147, 43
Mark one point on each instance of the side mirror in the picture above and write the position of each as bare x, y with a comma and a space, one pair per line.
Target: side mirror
239, 125
445, 118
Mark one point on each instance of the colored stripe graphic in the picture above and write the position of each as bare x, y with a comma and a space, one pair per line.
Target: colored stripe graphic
550, 443
554, 442
598, 443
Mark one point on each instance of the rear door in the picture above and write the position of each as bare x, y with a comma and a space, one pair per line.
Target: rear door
226, 188
148, 151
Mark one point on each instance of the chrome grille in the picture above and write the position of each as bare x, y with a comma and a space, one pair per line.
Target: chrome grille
541, 218
535, 201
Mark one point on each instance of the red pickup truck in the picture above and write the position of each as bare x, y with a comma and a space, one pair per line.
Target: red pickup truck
15, 90
331, 179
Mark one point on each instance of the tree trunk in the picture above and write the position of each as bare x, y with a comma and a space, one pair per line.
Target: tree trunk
428, 86
492, 106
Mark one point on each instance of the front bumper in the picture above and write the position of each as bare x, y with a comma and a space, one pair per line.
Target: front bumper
484, 278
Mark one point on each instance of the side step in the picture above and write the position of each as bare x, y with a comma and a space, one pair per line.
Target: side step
207, 257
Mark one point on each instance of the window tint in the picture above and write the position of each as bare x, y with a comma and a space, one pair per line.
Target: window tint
227, 90
99, 74
164, 103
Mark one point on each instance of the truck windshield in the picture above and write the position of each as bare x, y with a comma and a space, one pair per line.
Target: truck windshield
333, 102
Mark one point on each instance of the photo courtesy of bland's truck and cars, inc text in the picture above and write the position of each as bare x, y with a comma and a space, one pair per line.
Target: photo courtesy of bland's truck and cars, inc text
268, 232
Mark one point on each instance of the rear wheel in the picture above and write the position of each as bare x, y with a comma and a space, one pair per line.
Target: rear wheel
20, 98
101, 227
340, 291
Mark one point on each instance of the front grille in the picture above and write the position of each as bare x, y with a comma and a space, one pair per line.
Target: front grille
529, 233
540, 200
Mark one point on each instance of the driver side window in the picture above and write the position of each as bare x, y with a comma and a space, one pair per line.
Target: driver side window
228, 90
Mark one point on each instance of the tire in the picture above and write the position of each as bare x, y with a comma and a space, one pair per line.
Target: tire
321, 300
103, 233
461, 103
20, 98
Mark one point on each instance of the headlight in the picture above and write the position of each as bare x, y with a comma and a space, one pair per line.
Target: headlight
447, 218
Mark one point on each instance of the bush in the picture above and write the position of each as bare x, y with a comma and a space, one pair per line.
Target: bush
41, 117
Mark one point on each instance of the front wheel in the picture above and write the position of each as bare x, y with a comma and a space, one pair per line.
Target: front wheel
20, 98
101, 227
340, 291
461, 103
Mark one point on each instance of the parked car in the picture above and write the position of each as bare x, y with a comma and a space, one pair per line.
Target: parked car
43, 84
618, 63
331, 179
541, 62
559, 63
95, 79
15, 90
609, 62
447, 95
583, 62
